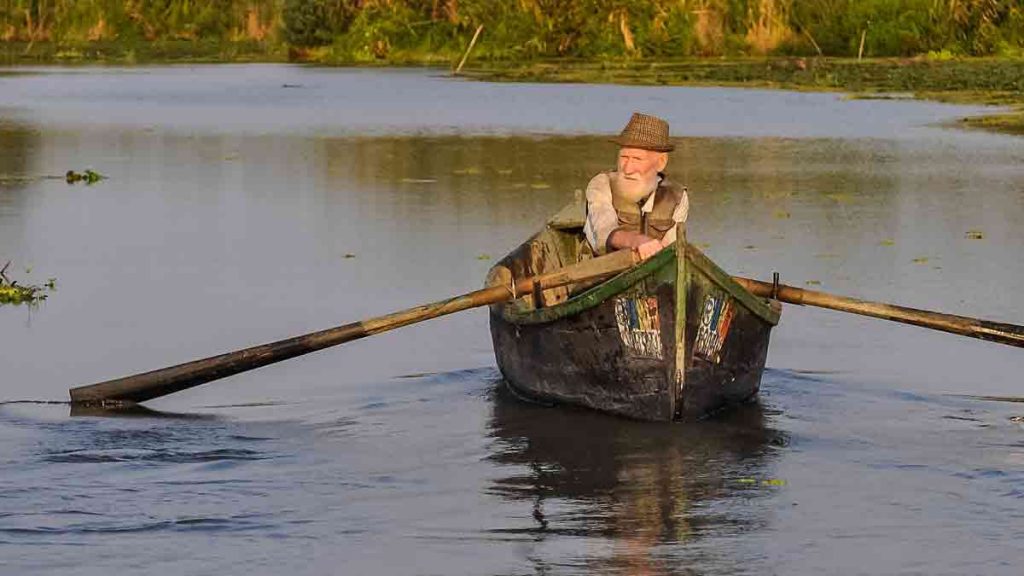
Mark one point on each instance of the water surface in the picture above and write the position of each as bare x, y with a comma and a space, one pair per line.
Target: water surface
250, 203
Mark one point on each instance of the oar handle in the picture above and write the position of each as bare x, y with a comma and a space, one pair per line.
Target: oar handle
1001, 332
149, 385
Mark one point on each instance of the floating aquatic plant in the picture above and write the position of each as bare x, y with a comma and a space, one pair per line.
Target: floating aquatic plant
89, 177
11, 292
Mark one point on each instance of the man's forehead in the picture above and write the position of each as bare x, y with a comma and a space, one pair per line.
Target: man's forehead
626, 151
642, 154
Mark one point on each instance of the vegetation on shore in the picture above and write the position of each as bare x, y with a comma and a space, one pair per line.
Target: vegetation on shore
334, 31
989, 81
129, 31
1012, 123
925, 47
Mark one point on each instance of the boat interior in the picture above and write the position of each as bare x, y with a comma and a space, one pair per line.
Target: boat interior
559, 244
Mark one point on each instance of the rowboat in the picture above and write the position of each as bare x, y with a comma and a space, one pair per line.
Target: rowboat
673, 338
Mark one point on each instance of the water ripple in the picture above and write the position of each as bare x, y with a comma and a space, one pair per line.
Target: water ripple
161, 456
187, 524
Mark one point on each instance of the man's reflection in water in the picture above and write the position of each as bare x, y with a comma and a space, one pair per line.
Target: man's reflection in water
649, 488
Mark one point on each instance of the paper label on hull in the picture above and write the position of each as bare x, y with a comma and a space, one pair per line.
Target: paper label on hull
639, 326
715, 319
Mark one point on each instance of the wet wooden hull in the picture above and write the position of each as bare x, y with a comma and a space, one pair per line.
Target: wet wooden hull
674, 338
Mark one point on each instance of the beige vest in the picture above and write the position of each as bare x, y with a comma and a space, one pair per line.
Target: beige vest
656, 223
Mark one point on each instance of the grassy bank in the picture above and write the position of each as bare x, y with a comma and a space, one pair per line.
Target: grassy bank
988, 81
125, 52
372, 30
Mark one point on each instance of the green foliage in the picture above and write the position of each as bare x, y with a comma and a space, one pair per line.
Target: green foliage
424, 30
126, 20
591, 28
911, 27
311, 23
888, 27
380, 30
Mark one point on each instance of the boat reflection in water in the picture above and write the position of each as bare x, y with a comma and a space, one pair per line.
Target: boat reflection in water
631, 496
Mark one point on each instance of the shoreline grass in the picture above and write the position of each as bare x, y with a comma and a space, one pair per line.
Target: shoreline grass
14, 54
983, 81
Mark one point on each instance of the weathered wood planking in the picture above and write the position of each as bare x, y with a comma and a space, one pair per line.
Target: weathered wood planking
620, 346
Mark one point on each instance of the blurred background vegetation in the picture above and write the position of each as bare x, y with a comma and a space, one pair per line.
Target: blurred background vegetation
397, 31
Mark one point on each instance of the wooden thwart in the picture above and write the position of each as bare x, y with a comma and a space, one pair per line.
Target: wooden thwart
149, 385
1003, 333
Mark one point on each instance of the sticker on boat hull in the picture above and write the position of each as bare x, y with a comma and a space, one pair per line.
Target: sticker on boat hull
714, 327
639, 326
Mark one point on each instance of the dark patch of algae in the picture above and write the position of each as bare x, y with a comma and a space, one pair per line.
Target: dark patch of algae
988, 81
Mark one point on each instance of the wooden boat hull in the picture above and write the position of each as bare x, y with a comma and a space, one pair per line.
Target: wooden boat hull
673, 338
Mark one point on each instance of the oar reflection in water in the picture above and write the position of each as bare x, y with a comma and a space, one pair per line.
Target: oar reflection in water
638, 484
131, 411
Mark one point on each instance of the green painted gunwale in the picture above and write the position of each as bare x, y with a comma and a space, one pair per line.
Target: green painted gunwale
591, 297
622, 282
724, 281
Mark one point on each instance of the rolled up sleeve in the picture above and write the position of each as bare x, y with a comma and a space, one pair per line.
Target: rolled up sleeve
601, 217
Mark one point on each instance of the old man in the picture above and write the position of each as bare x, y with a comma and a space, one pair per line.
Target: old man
636, 206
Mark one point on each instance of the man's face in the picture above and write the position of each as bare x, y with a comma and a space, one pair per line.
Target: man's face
640, 164
638, 171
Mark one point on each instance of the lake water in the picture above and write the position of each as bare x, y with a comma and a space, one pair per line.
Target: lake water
245, 204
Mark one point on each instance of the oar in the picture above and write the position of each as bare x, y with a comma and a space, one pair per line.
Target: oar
149, 385
975, 328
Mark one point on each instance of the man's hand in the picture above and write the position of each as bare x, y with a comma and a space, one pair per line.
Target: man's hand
649, 248
645, 246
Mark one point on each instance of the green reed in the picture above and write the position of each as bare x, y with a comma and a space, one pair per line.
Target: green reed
432, 30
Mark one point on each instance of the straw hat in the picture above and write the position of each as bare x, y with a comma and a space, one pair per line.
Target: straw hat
647, 132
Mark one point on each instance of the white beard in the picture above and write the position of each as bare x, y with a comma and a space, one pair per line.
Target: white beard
633, 190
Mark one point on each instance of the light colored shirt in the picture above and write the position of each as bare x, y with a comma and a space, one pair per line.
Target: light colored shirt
602, 219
